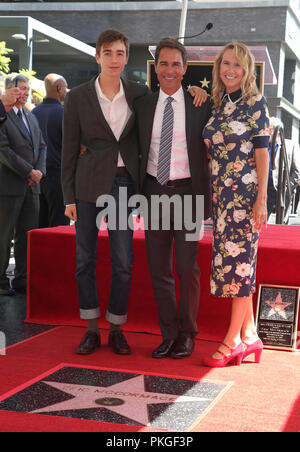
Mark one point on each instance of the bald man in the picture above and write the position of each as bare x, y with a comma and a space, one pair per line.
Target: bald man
49, 115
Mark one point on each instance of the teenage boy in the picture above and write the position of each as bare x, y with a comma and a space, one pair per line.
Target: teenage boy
100, 155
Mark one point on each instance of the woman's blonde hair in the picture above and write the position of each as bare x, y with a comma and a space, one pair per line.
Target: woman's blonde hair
246, 60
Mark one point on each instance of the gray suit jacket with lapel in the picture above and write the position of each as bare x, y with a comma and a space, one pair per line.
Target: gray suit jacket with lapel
196, 119
89, 174
19, 154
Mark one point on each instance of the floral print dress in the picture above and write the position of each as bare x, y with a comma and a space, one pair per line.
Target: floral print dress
234, 131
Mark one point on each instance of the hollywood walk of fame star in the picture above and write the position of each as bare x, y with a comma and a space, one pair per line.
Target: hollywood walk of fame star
205, 83
278, 306
128, 398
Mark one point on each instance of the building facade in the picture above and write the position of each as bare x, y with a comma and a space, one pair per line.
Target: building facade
274, 23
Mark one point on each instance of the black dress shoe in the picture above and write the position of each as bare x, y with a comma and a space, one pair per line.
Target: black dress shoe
164, 350
89, 343
117, 341
183, 347
7, 290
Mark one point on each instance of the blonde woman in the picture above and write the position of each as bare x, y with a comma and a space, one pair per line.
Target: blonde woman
235, 135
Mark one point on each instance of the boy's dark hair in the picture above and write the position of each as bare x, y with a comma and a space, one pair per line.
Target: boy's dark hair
171, 43
109, 36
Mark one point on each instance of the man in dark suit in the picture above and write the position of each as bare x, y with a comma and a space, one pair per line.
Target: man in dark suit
7, 101
100, 156
49, 115
22, 165
173, 162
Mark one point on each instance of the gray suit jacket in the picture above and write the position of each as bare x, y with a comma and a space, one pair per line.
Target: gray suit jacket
19, 154
196, 119
87, 175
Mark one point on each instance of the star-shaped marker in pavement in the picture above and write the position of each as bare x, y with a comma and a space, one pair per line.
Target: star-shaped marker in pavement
128, 398
278, 306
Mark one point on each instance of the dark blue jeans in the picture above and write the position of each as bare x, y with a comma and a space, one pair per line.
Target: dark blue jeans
121, 252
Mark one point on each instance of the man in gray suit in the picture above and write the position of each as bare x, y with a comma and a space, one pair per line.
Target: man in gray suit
293, 156
22, 165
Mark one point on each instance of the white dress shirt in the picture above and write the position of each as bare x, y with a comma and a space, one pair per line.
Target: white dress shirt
180, 168
116, 112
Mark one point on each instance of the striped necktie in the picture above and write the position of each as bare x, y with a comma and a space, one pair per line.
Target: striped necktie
165, 148
19, 114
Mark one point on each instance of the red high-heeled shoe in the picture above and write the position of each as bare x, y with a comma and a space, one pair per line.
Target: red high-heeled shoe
236, 355
256, 348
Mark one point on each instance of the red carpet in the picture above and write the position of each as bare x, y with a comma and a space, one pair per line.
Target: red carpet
52, 293
251, 397
261, 397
